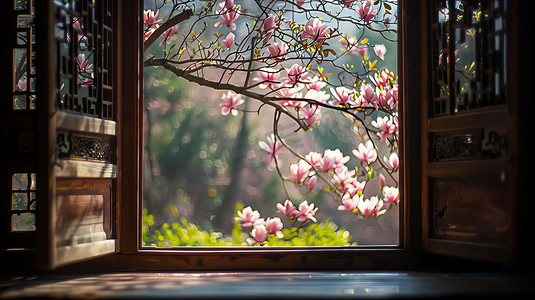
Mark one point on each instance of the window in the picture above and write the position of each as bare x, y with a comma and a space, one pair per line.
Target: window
234, 97
111, 184
23, 204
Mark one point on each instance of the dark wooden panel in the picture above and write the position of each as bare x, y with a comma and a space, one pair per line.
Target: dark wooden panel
84, 225
472, 209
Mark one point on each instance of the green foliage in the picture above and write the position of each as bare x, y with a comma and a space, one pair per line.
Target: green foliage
148, 221
184, 233
326, 233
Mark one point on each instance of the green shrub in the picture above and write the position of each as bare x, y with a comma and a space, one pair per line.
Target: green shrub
184, 233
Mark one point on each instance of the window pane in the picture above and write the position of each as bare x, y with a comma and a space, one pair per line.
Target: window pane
23, 222
33, 202
19, 201
21, 4
271, 124
20, 181
24, 20
19, 102
33, 178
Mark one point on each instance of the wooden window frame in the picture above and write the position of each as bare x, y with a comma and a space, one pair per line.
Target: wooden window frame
363, 257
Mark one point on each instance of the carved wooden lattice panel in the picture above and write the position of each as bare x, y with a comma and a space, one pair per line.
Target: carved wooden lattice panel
477, 143
77, 146
468, 55
84, 57
24, 57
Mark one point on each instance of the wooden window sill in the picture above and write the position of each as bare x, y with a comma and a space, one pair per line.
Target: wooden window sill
275, 285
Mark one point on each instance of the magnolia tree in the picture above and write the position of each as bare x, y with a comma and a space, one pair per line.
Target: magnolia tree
292, 56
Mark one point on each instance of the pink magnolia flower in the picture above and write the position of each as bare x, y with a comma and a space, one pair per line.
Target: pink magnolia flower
300, 2
366, 96
287, 208
306, 212
299, 171
226, 5
314, 158
229, 17
331, 159
336, 157
150, 31
312, 182
290, 93
342, 96
381, 79
366, 12
392, 162
349, 202
259, 234
387, 125
362, 50
232, 100
271, 23
274, 226
268, 77
382, 181
78, 26
277, 49
85, 81
343, 178
149, 17
83, 65
391, 196
371, 207
327, 163
229, 40
380, 50
316, 84
310, 115
315, 30
384, 99
348, 2
272, 146
297, 74
358, 187
22, 84
350, 45
249, 217
319, 96
366, 153
395, 90
168, 34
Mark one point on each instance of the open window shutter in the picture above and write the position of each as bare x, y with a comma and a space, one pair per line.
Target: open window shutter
77, 130
469, 182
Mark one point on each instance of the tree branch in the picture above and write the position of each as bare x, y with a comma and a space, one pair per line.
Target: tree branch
183, 16
226, 87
